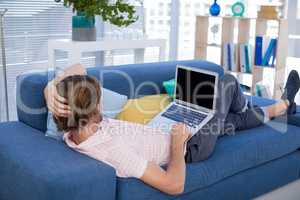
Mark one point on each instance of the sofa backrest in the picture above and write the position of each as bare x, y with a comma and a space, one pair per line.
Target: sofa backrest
131, 80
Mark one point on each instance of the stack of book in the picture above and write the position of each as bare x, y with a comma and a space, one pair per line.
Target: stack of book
265, 51
245, 55
262, 90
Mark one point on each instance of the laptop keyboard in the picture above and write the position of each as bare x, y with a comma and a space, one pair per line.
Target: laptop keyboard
184, 115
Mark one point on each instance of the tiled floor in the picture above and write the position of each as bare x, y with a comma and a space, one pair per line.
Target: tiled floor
288, 192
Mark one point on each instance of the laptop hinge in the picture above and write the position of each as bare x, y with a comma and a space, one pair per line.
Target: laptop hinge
199, 109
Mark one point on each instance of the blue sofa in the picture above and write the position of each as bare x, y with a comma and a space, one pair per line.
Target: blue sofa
36, 167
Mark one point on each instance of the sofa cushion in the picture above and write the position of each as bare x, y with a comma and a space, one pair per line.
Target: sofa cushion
169, 87
36, 167
232, 155
144, 109
130, 80
112, 103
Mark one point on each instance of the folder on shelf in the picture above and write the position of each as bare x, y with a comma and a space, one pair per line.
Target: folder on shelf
248, 58
226, 57
229, 57
245, 58
258, 50
274, 55
234, 66
270, 53
272, 60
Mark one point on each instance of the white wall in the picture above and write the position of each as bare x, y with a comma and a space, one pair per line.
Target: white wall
294, 28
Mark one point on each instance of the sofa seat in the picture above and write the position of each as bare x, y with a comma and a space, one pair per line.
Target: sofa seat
233, 154
38, 167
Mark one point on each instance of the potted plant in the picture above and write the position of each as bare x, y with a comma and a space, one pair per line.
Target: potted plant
118, 13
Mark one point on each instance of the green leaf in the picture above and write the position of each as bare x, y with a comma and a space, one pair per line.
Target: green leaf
119, 13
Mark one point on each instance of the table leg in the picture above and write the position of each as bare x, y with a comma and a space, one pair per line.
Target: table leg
162, 53
74, 57
139, 55
51, 57
100, 58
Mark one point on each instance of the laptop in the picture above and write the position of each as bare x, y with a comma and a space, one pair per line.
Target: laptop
194, 102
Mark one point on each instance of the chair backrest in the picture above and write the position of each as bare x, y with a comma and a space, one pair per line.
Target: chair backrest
131, 80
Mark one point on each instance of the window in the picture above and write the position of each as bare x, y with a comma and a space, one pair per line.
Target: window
152, 12
162, 22
298, 9
28, 26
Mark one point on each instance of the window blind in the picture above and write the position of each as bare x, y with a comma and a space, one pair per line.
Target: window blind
28, 25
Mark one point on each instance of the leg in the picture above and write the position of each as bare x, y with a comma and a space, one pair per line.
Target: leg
277, 109
100, 58
139, 55
291, 89
162, 52
230, 97
253, 117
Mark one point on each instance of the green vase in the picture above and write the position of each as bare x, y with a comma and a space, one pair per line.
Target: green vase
83, 28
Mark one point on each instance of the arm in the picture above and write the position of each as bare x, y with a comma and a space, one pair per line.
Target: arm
76, 69
55, 103
172, 180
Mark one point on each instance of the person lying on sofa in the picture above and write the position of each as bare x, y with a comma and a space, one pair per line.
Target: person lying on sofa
138, 151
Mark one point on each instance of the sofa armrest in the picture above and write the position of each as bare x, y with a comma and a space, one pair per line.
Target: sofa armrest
36, 167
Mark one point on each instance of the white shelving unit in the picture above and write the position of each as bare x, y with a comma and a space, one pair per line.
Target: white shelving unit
238, 31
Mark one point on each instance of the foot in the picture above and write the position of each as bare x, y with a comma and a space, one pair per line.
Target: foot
292, 109
291, 89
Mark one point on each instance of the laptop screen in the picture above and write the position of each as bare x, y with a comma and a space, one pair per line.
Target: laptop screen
195, 88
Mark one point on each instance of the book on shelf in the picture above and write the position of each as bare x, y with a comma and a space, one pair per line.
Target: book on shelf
246, 58
265, 51
229, 57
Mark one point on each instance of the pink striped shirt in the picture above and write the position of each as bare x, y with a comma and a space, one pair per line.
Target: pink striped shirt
127, 147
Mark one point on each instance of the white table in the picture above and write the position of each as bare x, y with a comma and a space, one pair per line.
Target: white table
75, 49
